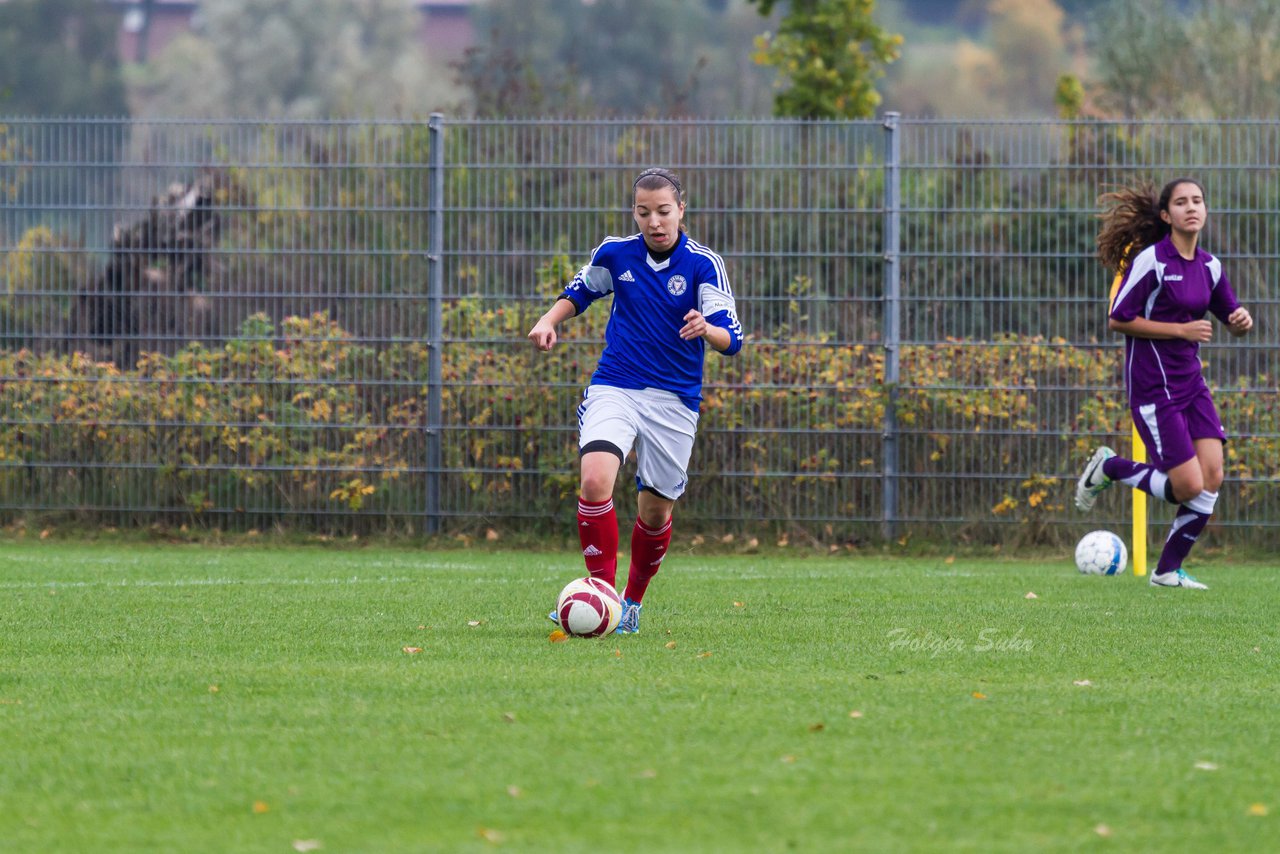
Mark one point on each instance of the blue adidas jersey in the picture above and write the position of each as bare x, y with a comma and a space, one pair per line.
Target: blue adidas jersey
642, 346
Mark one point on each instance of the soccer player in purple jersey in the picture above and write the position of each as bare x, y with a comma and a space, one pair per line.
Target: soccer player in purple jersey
1168, 286
671, 299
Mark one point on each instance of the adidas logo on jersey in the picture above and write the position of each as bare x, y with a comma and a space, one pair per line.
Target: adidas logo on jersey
591, 551
626, 277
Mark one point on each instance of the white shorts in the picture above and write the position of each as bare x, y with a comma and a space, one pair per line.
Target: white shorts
656, 422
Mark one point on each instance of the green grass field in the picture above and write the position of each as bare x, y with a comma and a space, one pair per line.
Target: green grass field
239, 699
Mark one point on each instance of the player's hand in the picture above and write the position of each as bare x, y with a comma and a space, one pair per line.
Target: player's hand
543, 335
1240, 321
1197, 330
695, 325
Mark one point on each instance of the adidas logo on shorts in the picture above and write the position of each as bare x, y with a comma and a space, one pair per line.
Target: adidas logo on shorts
626, 277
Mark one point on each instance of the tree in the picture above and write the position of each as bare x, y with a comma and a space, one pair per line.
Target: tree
829, 54
662, 58
1005, 63
59, 58
1217, 59
296, 59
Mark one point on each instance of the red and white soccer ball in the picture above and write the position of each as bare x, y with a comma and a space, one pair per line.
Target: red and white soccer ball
1101, 553
588, 608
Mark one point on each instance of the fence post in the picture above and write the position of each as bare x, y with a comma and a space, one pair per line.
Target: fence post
435, 315
892, 321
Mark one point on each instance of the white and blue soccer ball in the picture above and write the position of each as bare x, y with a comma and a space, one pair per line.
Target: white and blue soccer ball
1101, 553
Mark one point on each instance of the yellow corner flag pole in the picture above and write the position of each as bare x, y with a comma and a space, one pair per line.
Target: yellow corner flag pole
1139, 511
1138, 453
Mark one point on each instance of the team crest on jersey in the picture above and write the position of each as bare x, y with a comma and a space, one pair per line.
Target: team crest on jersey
676, 285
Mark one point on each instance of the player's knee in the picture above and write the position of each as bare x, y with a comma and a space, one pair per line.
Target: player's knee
1213, 479
1187, 487
654, 517
597, 487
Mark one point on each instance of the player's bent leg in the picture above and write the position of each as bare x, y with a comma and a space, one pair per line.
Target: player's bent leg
1093, 479
1186, 480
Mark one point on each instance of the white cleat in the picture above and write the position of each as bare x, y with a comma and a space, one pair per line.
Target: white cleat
1176, 578
1093, 480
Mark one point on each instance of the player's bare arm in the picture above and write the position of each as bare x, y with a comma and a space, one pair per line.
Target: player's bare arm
696, 326
1240, 322
1140, 327
543, 334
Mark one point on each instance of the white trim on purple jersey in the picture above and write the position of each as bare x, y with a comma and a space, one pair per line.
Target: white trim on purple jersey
1163, 286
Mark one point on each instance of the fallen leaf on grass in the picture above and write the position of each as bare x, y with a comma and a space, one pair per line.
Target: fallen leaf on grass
1206, 766
617, 653
670, 644
787, 759
514, 791
307, 845
855, 714
737, 604
1257, 809
818, 727
213, 689
1031, 595
412, 650
1102, 830
556, 636
978, 695
259, 807
704, 655
488, 834
1083, 683
509, 717
474, 623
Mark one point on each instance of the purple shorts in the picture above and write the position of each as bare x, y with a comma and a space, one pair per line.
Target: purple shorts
1169, 429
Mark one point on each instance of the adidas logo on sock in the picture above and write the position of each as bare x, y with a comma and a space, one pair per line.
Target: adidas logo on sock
626, 277
591, 551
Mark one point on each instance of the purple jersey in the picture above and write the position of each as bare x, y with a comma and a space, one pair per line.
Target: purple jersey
1163, 286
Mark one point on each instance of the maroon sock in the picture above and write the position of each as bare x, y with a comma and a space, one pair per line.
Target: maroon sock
648, 548
598, 533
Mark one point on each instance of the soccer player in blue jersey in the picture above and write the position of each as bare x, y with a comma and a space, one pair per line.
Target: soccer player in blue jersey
1169, 284
671, 300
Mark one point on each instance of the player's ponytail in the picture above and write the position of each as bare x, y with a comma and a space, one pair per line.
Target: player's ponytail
1131, 221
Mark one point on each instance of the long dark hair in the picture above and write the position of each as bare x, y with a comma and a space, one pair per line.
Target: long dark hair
1131, 220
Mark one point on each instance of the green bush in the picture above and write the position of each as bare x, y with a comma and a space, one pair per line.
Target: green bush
300, 419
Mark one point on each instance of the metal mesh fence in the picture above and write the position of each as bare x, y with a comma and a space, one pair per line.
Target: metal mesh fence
324, 323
